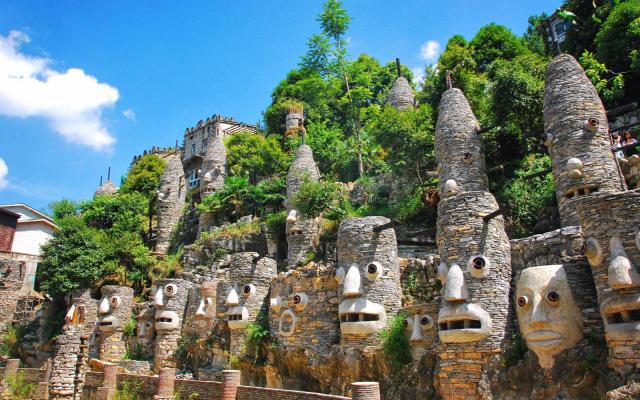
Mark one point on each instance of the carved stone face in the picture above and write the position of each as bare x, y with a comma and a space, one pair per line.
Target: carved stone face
114, 309
170, 300
549, 319
207, 308
244, 294
368, 274
146, 323
420, 326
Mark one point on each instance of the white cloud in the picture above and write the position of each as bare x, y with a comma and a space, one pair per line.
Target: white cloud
430, 50
4, 171
72, 102
418, 75
129, 114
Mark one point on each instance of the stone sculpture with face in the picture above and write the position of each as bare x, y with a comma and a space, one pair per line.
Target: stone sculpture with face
145, 329
170, 298
114, 311
243, 297
549, 319
369, 275
611, 224
421, 327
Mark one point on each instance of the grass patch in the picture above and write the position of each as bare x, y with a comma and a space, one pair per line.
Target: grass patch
395, 343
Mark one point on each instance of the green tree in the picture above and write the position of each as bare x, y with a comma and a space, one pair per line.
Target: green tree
253, 155
610, 86
120, 212
63, 208
72, 259
495, 41
315, 198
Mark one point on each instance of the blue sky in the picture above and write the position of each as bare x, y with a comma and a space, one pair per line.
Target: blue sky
87, 85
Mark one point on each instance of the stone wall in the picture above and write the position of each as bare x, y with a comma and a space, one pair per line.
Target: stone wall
11, 279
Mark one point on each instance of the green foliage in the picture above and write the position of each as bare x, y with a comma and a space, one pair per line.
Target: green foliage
120, 212
395, 343
62, 208
128, 390
610, 86
10, 340
410, 205
515, 351
255, 156
528, 197
315, 198
74, 258
167, 267
17, 388
135, 354
494, 42
618, 41
144, 178
130, 326
186, 350
276, 222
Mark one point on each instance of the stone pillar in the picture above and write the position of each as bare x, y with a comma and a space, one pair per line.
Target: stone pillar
475, 255
401, 95
577, 137
63, 369
11, 368
230, 383
166, 381
212, 176
109, 382
171, 197
42, 392
365, 391
114, 312
302, 233
295, 117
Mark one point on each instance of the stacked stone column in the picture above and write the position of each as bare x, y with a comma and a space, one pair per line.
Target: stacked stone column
577, 137
109, 382
230, 383
213, 173
115, 311
63, 369
475, 255
166, 381
365, 391
171, 197
302, 233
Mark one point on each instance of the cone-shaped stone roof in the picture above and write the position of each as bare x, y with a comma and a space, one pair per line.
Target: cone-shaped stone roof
303, 165
401, 95
107, 188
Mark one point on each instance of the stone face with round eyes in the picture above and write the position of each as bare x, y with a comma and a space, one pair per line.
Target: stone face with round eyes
374, 270
248, 290
116, 301
170, 290
549, 319
479, 266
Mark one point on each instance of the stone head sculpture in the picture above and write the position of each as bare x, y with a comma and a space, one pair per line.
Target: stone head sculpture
577, 137
302, 306
170, 297
301, 232
114, 311
207, 307
369, 278
421, 326
549, 319
610, 223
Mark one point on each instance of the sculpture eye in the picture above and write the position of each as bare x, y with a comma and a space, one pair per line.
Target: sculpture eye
467, 158
592, 124
248, 290
426, 321
553, 296
115, 301
478, 266
300, 301
405, 323
171, 290
523, 301
374, 270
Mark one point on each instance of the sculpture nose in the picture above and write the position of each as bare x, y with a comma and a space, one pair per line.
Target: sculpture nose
352, 283
158, 299
232, 297
416, 333
455, 289
621, 273
538, 312
104, 306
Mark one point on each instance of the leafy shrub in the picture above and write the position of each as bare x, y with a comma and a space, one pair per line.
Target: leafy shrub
131, 326
10, 341
128, 390
315, 198
17, 388
186, 350
395, 343
276, 222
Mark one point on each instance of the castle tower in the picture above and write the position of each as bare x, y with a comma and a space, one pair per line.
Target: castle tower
401, 95
302, 233
171, 197
475, 255
214, 167
106, 188
577, 137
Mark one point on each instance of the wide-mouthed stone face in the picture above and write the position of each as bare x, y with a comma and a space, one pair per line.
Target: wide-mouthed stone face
114, 309
170, 300
549, 319
245, 293
368, 275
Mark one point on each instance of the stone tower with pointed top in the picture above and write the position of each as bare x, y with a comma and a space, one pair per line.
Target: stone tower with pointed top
212, 175
302, 233
401, 94
577, 137
171, 197
475, 255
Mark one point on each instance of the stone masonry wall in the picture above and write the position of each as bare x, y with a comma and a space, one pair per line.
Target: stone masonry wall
11, 278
